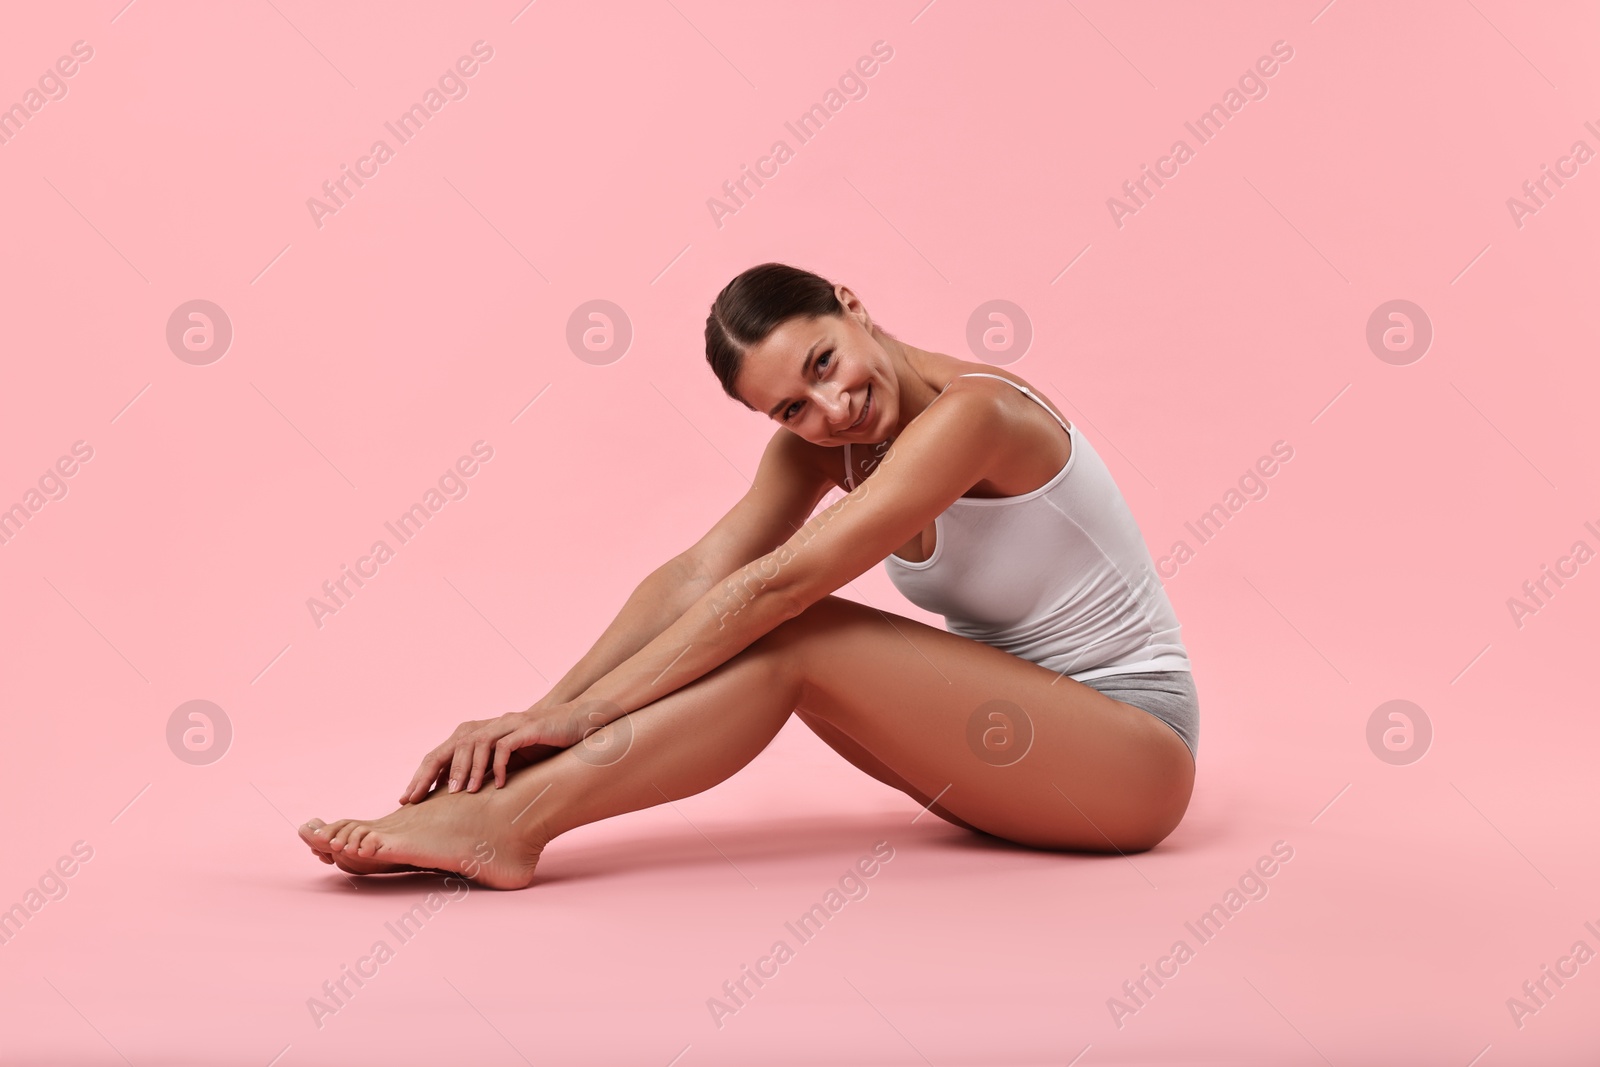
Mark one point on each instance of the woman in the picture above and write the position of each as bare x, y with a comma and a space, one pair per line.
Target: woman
1057, 711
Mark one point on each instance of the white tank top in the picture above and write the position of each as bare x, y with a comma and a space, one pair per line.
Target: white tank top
1059, 576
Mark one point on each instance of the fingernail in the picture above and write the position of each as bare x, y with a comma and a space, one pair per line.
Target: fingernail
455, 785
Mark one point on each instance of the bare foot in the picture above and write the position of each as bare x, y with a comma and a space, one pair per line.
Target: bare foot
520, 758
319, 836
482, 836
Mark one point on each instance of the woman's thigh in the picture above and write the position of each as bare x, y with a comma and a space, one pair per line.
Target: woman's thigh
851, 750
1004, 744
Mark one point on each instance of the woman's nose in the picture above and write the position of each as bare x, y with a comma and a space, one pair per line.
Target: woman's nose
837, 405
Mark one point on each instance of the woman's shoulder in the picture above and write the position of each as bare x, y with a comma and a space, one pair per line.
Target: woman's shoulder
1019, 394
974, 389
972, 379
1027, 444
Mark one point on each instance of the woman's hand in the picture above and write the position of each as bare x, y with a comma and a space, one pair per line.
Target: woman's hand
466, 753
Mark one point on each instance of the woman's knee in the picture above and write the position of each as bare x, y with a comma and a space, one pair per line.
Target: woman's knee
819, 621
787, 642
775, 654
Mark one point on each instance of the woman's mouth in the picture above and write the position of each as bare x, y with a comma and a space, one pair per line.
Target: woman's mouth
866, 410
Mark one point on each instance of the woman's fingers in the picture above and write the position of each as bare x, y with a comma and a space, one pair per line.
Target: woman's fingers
486, 744
482, 747
432, 766
503, 749
465, 757
460, 764
431, 772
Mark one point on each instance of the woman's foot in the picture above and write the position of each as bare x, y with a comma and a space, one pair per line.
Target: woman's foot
487, 837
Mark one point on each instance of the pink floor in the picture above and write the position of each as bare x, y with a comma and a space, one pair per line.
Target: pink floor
200, 929
1434, 900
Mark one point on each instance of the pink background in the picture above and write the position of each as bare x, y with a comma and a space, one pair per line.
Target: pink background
1228, 313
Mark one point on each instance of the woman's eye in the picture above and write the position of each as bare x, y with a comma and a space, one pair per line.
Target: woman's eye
822, 361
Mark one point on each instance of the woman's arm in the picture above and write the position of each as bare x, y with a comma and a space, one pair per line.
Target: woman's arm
787, 488
660, 598
944, 452
663, 596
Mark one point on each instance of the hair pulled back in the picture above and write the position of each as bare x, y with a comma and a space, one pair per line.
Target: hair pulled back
754, 304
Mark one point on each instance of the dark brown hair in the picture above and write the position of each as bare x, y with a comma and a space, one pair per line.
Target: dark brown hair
754, 304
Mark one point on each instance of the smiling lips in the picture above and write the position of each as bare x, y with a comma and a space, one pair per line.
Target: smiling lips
866, 407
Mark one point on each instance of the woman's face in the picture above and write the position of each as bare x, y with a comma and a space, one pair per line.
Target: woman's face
826, 379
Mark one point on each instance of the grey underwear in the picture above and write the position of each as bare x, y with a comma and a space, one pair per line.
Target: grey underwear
1168, 695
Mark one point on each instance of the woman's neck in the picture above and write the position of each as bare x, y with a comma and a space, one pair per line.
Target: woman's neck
915, 373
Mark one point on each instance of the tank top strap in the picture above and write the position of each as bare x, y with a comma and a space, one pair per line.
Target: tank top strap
849, 468
1029, 393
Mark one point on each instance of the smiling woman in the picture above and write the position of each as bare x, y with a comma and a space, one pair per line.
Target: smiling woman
1057, 709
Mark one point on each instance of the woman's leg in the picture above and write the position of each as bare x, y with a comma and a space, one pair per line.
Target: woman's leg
908, 703
852, 751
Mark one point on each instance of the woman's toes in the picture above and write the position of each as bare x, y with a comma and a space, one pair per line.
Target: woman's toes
370, 842
312, 833
340, 836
